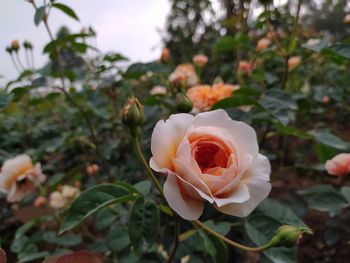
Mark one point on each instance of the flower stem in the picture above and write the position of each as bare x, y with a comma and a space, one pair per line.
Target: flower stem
229, 241
139, 154
176, 238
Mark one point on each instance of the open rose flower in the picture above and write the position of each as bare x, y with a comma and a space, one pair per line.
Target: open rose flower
263, 43
19, 177
204, 97
158, 90
209, 157
339, 164
200, 60
184, 74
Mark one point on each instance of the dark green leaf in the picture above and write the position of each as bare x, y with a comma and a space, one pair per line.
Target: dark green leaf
91, 200
323, 198
118, 238
143, 224
66, 9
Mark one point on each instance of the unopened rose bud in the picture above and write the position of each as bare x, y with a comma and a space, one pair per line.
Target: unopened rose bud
293, 62
200, 60
262, 44
183, 103
40, 201
133, 114
27, 45
92, 169
15, 45
165, 54
288, 236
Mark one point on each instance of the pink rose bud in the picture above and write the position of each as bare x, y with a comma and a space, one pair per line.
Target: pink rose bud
158, 90
165, 54
262, 44
200, 60
325, 99
133, 114
245, 67
209, 157
339, 165
293, 62
40, 201
288, 236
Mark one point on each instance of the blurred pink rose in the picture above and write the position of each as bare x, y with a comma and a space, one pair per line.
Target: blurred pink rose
76, 257
40, 201
19, 177
347, 19
200, 60
2, 256
210, 157
263, 43
165, 54
158, 90
293, 62
245, 67
339, 164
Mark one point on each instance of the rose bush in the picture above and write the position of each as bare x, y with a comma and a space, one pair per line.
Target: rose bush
213, 158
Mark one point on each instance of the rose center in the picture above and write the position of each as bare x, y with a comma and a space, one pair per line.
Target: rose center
209, 154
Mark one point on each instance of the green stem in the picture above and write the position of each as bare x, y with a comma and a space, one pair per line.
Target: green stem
176, 238
229, 241
139, 154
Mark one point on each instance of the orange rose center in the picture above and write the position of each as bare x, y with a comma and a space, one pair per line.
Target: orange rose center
209, 152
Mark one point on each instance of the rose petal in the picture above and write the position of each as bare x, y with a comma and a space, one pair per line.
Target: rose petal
240, 133
166, 137
187, 207
239, 195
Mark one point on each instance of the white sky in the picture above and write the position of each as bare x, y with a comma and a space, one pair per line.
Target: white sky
129, 27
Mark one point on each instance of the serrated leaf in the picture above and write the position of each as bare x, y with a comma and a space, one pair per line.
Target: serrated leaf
92, 200
143, 224
66, 9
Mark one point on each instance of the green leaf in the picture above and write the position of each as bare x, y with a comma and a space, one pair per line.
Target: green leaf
33, 256
342, 50
39, 15
143, 187
323, 198
92, 200
318, 46
345, 191
67, 240
143, 224
118, 238
104, 218
329, 139
5, 100
66, 9
215, 247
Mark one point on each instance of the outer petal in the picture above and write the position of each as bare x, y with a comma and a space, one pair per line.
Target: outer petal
239, 195
183, 204
166, 137
256, 179
240, 133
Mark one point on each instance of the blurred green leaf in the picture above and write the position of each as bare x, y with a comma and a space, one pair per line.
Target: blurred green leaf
66, 9
39, 15
323, 198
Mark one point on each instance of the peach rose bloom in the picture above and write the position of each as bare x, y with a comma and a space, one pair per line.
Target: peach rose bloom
339, 165
92, 169
56, 200
19, 177
184, 74
40, 201
209, 157
204, 97
158, 90
200, 60
245, 67
293, 62
165, 54
262, 44
347, 19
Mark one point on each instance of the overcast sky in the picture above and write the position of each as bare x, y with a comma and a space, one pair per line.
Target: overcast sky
129, 27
